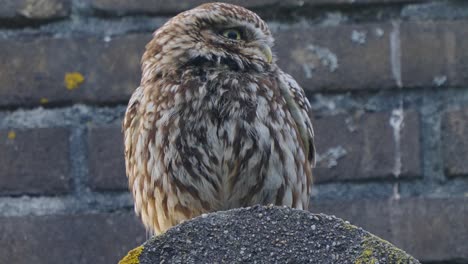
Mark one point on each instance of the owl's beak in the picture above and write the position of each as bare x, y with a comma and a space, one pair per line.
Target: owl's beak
266, 51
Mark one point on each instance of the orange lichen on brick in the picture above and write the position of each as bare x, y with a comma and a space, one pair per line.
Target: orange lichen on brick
73, 80
11, 135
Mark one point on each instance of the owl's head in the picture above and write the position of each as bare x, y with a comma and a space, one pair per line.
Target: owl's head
213, 35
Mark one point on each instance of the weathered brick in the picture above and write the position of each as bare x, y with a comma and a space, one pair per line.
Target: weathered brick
106, 158
435, 10
430, 229
122, 7
337, 58
82, 238
34, 71
34, 161
371, 214
354, 2
455, 142
21, 10
433, 53
363, 146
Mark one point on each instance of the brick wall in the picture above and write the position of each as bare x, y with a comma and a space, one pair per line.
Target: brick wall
388, 81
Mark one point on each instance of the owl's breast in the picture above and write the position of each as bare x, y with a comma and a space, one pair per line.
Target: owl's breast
229, 142
232, 140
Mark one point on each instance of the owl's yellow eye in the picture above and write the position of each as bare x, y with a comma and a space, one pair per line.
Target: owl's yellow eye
232, 34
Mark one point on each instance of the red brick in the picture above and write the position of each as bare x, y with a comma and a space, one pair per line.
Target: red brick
328, 59
82, 238
35, 69
34, 161
106, 158
20, 10
455, 142
434, 53
430, 229
362, 146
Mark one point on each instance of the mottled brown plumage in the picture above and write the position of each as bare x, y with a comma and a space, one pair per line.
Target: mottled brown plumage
215, 124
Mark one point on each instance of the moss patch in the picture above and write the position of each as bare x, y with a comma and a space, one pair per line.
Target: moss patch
133, 257
375, 248
366, 257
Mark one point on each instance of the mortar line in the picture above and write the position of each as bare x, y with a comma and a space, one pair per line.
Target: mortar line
67, 204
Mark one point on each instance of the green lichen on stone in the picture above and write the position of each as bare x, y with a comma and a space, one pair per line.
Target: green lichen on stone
375, 249
349, 227
133, 257
366, 257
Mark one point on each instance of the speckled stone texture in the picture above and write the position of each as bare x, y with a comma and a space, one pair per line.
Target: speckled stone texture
267, 235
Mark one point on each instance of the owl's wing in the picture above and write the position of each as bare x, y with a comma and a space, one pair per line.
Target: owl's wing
300, 109
129, 125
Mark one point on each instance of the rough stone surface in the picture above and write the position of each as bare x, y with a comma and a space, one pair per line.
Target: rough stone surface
60, 70
74, 239
336, 58
431, 229
268, 235
454, 142
361, 146
34, 161
34, 9
106, 158
433, 54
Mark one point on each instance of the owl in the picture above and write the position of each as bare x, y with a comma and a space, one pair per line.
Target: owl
215, 123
